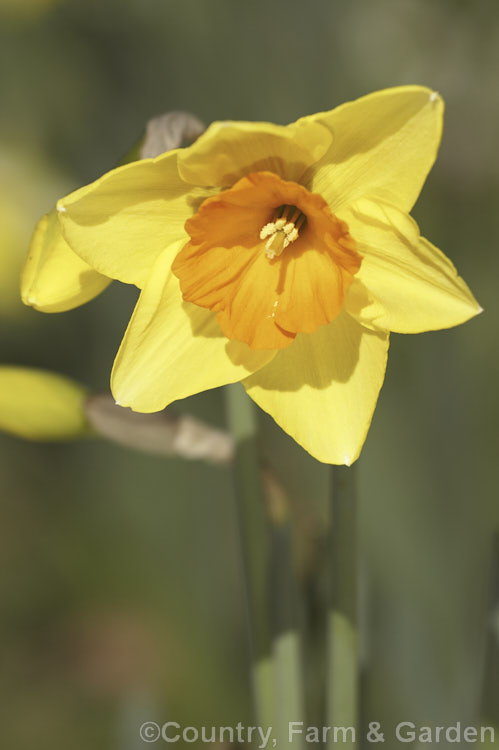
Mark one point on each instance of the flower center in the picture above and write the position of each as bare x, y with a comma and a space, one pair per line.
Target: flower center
262, 296
282, 231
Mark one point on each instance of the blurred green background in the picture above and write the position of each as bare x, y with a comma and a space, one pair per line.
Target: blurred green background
120, 589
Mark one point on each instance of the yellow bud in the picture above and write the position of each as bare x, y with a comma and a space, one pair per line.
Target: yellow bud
41, 405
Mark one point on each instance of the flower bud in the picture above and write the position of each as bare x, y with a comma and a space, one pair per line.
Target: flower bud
41, 405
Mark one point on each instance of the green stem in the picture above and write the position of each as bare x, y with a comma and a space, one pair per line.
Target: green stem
343, 662
253, 533
269, 581
490, 686
286, 642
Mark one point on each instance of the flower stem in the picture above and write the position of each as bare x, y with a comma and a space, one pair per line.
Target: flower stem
254, 543
343, 662
286, 640
269, 581
490, 668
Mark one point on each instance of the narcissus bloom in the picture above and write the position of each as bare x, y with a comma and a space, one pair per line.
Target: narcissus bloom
276, 256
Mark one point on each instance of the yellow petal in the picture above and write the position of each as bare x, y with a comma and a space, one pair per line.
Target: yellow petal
228, 151
54, 278
405, 284
40, 405
173, 349
322, 389
384, 144
121, 223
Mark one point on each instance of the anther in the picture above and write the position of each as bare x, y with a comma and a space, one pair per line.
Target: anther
282, 231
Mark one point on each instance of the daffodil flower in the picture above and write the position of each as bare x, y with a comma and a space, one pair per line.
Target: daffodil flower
278, 256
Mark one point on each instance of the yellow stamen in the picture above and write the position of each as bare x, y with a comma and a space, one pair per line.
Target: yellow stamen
282, 231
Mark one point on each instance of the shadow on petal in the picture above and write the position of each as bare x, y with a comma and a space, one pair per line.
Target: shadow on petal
322, 390
317, 360
205, 326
